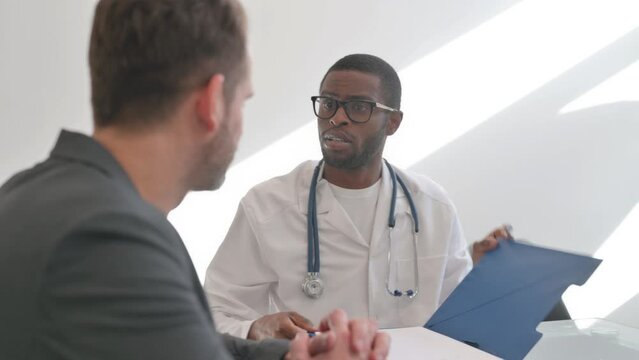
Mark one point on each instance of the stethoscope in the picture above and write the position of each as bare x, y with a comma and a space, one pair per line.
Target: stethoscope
313, 286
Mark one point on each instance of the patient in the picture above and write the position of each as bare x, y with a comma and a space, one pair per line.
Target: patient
90, 268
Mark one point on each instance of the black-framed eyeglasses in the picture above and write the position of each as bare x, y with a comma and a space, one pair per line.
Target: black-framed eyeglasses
358, 111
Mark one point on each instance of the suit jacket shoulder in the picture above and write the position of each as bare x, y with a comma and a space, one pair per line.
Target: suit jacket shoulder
93, 271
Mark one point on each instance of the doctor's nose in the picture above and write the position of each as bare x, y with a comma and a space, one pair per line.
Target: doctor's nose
340, 117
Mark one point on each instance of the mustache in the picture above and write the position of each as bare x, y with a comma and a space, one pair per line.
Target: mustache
336, 132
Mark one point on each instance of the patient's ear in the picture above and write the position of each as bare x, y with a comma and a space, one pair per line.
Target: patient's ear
210, 104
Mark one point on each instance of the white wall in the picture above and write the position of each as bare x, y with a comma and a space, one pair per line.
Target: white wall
527, 111
44, 76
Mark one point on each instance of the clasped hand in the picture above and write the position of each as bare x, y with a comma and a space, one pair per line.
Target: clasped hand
341, 339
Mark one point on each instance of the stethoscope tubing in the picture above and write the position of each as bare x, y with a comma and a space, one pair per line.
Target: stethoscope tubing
313, 258
313, 255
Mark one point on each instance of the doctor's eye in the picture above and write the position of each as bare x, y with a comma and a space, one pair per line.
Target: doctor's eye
362, 107
327, 104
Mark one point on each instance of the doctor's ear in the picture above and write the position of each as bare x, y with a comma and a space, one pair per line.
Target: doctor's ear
211, 104
393, 122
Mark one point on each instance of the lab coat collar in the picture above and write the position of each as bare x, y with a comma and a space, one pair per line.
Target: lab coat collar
323, 204
326, 201
329, 209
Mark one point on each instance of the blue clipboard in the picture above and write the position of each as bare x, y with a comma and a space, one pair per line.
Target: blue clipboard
499, 304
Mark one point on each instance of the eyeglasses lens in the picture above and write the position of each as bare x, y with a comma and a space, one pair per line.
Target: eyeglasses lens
357, 111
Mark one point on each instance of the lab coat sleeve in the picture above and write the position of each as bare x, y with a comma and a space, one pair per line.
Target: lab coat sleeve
238, 279
458, 263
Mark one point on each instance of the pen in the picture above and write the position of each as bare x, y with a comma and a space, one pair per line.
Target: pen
509, 230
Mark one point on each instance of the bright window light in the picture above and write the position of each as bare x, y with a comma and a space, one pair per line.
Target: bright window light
481, 73
614, 282
623, 86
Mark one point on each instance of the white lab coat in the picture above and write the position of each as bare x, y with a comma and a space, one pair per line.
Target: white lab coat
260, 266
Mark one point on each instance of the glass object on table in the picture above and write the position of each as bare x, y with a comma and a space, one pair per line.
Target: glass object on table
585, 339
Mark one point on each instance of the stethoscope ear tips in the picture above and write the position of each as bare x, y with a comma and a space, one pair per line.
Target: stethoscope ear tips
397, 293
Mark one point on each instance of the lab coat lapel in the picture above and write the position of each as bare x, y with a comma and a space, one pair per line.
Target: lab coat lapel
304, 186
329, 212
335, 216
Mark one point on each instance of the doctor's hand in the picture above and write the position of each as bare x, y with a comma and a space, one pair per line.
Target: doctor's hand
341, 339
490, 242
282, 325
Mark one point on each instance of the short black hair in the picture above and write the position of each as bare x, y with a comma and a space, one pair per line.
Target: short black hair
370, 64
145, 53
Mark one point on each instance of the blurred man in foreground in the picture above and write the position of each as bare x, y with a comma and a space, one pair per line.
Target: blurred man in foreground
90, 268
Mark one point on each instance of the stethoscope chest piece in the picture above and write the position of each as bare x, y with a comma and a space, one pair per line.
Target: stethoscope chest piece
313, 286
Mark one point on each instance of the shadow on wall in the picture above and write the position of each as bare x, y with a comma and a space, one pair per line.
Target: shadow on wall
628, 313
400, 32
563, 180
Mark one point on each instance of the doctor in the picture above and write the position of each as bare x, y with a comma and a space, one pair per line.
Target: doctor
350, 231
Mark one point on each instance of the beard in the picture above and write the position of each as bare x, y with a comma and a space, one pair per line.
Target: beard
216, 159
217, 180
372, 147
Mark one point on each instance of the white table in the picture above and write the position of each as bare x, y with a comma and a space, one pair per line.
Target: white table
585, 339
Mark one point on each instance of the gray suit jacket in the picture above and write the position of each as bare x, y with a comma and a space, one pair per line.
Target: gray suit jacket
89, 270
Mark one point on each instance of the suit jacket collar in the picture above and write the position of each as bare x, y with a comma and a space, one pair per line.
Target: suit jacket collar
81, 148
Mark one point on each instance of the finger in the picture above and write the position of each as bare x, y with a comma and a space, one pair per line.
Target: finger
381, 346
362, 333
298, 348
489, 243
504, 232
509, 230
301, 322
321, 343
480, 248
323, 326
336, 320
289, 330
501, 233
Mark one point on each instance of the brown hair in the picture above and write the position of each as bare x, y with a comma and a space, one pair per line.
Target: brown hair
144, 54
